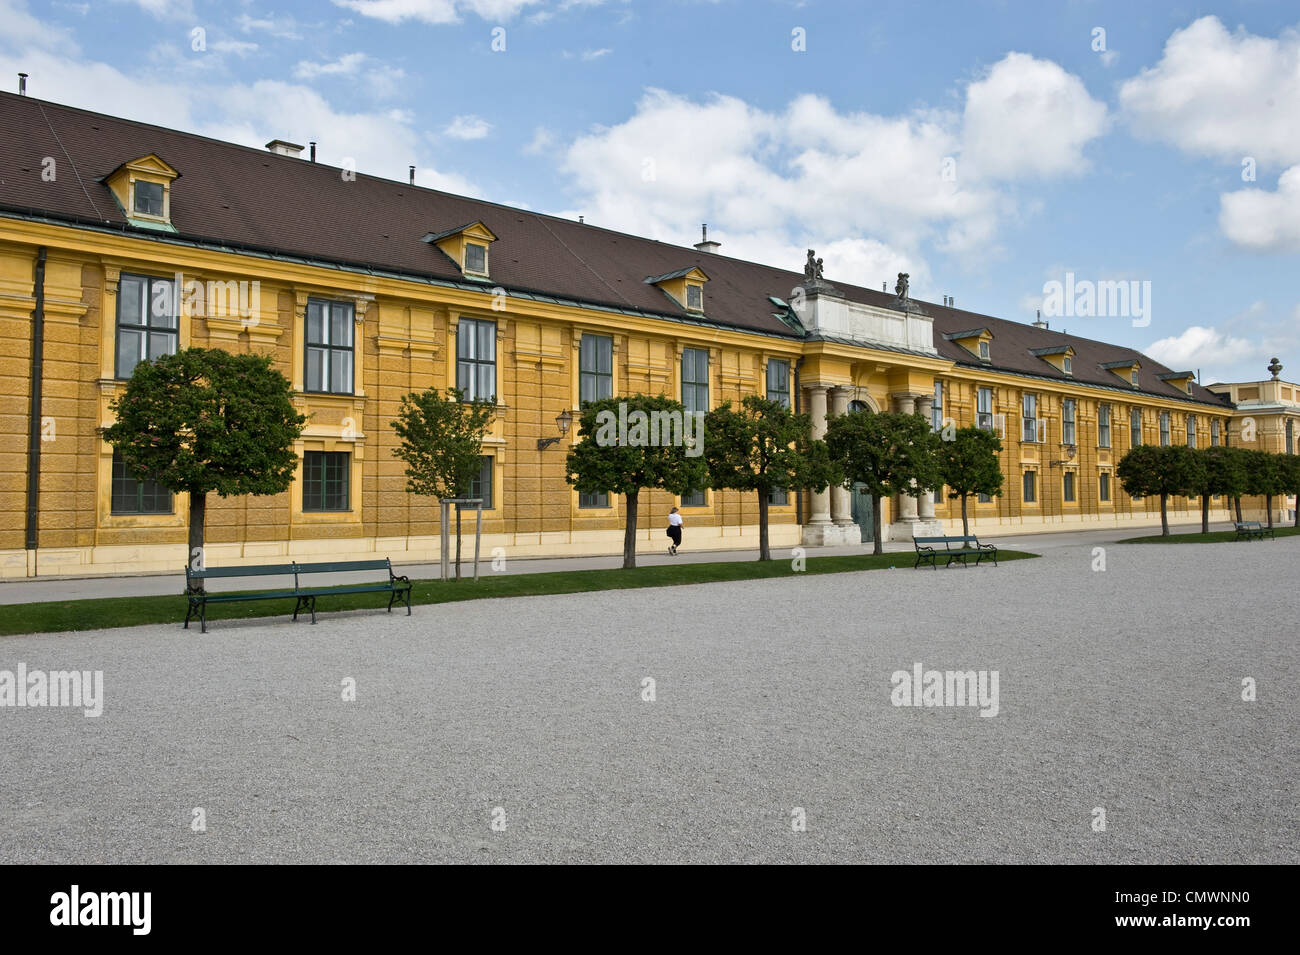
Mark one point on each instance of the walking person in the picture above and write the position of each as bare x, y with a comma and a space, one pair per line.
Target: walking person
674, 530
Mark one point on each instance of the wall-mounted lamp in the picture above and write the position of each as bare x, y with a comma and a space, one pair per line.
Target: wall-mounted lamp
1069, 456
562, 422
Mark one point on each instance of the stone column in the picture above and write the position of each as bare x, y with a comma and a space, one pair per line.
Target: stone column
924, 405
841, 503
905, 404
821, 503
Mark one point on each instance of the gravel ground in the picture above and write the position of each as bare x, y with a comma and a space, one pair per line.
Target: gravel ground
1118, 689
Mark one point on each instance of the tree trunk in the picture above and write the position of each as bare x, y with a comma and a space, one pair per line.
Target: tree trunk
1237, 502
1164, 514
629, 533
876, 546
1205, 513
458, 542
965, 522
1297, 510
1268, 505
764, 551
198, 510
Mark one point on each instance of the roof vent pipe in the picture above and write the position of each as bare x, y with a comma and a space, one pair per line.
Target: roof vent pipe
411, 170
704, 245
313, 150
22, 84
1038, 319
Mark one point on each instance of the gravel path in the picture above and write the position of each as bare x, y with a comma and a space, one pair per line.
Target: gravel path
1118, 689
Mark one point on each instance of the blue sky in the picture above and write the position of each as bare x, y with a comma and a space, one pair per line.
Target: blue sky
986, 148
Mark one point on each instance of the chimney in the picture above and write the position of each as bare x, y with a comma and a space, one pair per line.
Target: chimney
22, 84
411, 170
1038, 319
283, 148
313, 150
581, 220
704, 245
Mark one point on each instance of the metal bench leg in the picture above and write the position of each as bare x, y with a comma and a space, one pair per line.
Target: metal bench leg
391, 597
313, 610
408, 601
203, 619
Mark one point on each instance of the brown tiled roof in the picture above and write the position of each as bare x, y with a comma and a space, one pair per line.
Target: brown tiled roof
245, 198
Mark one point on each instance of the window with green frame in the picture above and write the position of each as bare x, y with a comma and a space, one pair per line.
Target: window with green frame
326, 480
1103, 486
481, 486
778, 381
1067, 487
594, 499
778, 497
1030, 487
695, 379
146, 321
328, 350
595, 368
476, 359
132, 495
695, 499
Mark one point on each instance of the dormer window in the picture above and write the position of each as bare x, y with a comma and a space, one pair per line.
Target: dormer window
685, 287
695, 297
148, 198
984, 351
1068, 365
1133, 377
476, 258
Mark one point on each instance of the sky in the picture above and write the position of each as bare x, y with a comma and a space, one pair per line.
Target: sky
988, 149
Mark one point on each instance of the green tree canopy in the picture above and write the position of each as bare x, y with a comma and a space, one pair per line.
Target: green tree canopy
1265, 475
441, 443
1222, 472
626, 444
1150, 469
968, 464
764, 446
888, 452
205, 420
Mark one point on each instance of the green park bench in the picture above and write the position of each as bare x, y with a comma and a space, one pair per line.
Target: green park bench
397, 587
954, 548
1251, 530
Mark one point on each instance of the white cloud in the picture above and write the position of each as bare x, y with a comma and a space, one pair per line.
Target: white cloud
278, 26
589, 55
169, 9
22, 30
1220, 94
436, 11
1029, 117
237, 47
468, 127
1262, 220
382, 80
349, 64
542, 141
1200, 347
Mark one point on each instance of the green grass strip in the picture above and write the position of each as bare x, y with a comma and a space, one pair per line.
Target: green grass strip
1213, 537
60, 616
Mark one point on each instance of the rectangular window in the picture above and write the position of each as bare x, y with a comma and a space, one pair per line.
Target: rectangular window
1214, 433
936, 409
1135, 427
146, 321
476, 359
1067, 421
984, 409
596, 368
1030, 488
694, 499
595, 499
1133, 377
1103, 486
329, 347
1067, 487
1164, 429
475, 258
778, 382
1290, 436
984, 498
984, 351
1103, 426
326, 480
1068, 365
132, 495
1029, 416
149, 198
481, 486
778, 497
695, 379
694, 298
1191, 431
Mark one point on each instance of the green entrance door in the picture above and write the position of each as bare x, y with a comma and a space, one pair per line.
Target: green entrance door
863, 505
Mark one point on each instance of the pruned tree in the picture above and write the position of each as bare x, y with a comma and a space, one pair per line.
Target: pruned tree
1290, 465
1222, 473
763, 446
1163, 471
887, 452
442, 444
204, 420
968, 464
1265, 477
627, 444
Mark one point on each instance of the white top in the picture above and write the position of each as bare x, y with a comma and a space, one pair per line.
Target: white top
674, 520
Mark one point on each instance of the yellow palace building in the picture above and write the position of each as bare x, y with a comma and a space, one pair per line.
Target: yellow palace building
121, 241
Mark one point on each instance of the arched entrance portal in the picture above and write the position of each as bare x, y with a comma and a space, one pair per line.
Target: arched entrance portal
863, 505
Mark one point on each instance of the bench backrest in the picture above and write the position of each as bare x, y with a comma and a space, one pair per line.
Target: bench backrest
263, 570
946, 540
345, 566
294, 570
